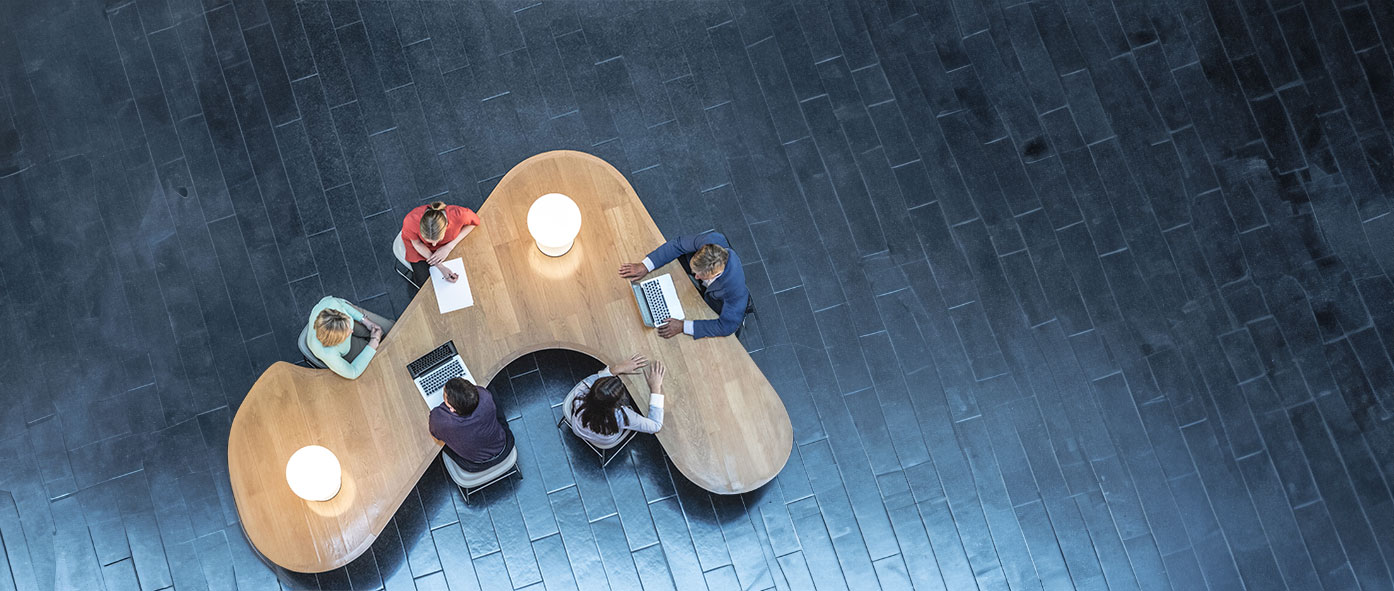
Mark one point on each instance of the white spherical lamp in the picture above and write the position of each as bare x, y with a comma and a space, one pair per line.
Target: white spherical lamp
554, 221
313, 473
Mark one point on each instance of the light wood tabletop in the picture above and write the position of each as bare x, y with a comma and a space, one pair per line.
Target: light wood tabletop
725, 427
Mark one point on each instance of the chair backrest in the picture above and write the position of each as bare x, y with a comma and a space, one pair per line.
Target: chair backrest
456, 472
305, 348
566, 405
466, 479
399, 250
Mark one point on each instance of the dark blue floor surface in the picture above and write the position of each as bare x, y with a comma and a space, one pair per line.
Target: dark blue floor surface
1058, 294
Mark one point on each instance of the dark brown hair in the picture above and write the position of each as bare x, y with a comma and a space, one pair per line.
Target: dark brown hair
598, 407
462, 396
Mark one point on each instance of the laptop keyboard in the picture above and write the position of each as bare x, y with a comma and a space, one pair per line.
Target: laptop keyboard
436, 380
653, 293
425, 362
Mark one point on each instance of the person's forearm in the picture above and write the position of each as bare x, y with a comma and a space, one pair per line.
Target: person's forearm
664, 254
448, 247
719, 327
366, 320
651, 423
421, 248
360, 363
461, 236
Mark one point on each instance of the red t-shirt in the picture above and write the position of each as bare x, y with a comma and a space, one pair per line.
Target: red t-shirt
456, 218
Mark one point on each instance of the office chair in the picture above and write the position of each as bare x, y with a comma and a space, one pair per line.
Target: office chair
749, 311
399, 252
473, 482
606, 453
309, 359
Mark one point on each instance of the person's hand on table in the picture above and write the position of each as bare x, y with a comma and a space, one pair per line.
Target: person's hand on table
449, 275
653, 374
629, 366
670, 329
633, 271
438, 256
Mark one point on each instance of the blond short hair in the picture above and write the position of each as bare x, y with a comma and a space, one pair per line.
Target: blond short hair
332, 327
709, 259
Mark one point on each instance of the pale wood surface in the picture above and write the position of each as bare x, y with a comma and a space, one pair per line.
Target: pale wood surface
725, 427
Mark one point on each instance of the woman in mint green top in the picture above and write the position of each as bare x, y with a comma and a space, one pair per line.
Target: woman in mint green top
343, 336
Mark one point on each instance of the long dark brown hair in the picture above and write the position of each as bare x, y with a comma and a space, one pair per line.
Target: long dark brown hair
598, 407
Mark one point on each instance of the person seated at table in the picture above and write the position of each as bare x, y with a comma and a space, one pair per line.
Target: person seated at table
716, 271
475, 433
430, 232
602, 410
344, 337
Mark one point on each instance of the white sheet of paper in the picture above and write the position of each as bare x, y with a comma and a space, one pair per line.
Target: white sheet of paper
452, 296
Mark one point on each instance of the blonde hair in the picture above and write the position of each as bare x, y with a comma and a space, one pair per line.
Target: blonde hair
332, 327
434, 222
709, 258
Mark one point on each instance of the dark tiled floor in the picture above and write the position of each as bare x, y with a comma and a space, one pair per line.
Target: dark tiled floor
1062, 293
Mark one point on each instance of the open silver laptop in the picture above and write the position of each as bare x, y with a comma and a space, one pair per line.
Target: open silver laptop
658, 300
431, 371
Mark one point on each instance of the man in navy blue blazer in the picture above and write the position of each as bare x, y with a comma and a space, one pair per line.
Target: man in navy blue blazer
708, 258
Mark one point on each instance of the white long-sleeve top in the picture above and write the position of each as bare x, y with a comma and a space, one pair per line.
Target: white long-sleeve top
626, 417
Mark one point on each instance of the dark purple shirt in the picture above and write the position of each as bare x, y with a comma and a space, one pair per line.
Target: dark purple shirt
478, 437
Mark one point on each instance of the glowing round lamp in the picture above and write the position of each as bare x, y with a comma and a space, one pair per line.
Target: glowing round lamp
554, 221
313, 473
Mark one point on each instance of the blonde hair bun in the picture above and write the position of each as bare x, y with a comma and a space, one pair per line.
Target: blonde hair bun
434, 222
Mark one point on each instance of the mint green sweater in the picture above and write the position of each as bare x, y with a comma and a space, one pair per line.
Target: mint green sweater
333, 357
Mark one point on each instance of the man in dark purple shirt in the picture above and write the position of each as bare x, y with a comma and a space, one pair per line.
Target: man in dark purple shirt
473, 428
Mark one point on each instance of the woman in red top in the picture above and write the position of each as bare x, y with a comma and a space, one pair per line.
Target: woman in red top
430, 232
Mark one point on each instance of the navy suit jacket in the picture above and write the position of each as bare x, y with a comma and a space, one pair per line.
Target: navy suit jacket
727, 295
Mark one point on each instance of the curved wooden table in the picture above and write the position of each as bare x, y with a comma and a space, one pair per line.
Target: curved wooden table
725, 427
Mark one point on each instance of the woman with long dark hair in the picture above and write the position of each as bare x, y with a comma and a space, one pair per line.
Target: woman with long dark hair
601, 410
